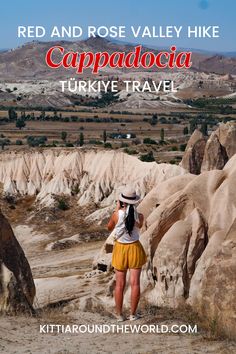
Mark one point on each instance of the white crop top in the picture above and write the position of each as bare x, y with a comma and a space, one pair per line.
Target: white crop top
121, 233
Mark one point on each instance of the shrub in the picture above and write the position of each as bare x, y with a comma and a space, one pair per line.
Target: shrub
147, 157
182, 147
19, 142
149, 141
108, 146
20, 123
69, 145
130, 151
36, 140
153, 120
95, 142
63, 136
162, 135
62, 204
163, 120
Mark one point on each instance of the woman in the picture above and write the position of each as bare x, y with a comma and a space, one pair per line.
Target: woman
128, 253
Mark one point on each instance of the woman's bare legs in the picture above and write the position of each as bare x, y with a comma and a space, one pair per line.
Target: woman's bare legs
135, 288
119, 290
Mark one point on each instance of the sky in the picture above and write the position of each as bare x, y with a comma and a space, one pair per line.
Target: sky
157, 13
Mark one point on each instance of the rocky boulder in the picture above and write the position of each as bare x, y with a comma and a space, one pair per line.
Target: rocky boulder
194, 152
205, 155
213, 286
17, 289
215, 155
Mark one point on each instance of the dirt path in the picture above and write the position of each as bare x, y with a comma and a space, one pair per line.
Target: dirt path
21, 335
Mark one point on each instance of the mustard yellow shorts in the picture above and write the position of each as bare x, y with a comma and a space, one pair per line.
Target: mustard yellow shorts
128, 255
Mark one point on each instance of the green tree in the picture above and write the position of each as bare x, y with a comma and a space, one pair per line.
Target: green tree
204, 129
104, 136
42, 115
149, 141
63, 136
162, 134
4, 142
147, 157
154, 119
20, 123
193, 125
22, 115
185, 131
12, 115
81, 139
36, 140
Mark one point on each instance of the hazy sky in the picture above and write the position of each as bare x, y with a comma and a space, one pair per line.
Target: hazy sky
123, 12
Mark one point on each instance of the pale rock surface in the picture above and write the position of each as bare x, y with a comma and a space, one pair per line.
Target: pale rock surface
215, 156
162, 191
194, 152
96, 175
213, 288
201, 155
189, 237
175, 258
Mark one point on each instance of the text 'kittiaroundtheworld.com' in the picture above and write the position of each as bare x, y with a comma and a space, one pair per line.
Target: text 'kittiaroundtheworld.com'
115, 328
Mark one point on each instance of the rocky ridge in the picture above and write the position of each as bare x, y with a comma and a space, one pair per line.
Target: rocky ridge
205, 154
93, 176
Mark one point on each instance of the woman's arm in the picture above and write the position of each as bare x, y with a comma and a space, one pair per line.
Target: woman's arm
112, 222
140, 223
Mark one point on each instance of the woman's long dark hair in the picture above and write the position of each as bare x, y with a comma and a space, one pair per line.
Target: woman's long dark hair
130, 221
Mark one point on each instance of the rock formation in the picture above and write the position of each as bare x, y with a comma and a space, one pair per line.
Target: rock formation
95, 176
189, 233
190, 236
194, 152
190, 239
201, 155
17, 289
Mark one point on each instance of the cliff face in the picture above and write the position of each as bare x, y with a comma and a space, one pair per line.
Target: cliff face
95, 176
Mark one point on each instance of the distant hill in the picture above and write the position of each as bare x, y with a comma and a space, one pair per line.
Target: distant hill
28, 61
229, 54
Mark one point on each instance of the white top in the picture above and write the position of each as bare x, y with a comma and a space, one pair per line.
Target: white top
121, 233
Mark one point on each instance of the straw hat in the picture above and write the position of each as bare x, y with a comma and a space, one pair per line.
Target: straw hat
128, 195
